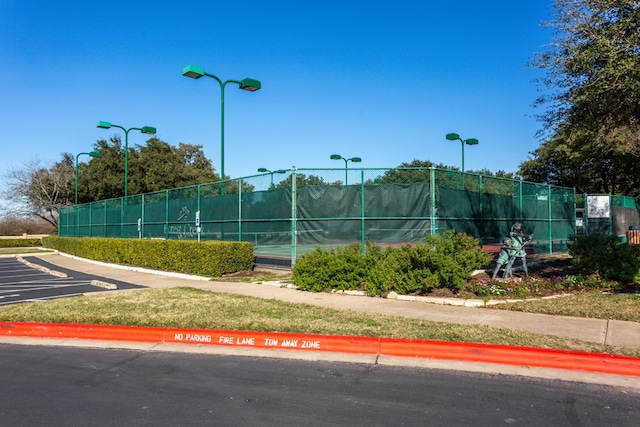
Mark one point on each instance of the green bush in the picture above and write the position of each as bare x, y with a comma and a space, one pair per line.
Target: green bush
322, 270
208, 258
20, 243
443, 261
606, 256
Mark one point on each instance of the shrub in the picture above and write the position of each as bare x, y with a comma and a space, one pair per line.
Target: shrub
443, 261
208, 258
20, 243
454, 256
322, 270
606, 256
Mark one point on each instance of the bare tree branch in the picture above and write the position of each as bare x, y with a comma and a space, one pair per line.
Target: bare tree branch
37, 190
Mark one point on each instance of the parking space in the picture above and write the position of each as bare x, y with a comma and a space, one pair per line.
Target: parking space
42, 281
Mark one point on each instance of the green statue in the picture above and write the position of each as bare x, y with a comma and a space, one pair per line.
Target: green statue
507, 251
518, 241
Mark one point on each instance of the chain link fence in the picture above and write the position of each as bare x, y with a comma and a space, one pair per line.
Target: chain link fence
607, 214
286, 213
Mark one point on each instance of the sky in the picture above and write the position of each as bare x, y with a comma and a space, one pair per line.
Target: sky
381, 80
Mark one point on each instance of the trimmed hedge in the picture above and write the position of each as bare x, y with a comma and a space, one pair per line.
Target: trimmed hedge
20, 243
208, 258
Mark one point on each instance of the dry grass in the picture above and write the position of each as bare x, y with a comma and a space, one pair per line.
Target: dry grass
192, 308
595, 305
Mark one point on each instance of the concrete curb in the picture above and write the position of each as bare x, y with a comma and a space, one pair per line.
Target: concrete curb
405, 348
41, 268
460, 302
106, 285
139, 269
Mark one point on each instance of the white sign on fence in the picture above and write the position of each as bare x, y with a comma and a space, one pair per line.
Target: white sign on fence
598, 207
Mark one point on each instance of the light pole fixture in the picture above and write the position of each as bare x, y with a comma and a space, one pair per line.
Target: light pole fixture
92, 154
150, 130
469, 141
346, 162
251, 85
265, 170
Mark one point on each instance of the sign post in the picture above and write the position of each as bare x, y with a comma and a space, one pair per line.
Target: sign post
198, 224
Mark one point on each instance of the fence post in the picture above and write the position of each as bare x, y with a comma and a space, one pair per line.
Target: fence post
122, 217
550, 219
362, 211
293, 216
91, 219
521, 215
575, 207
432, 192
240, 210
166, 214
610, 217
198, 223
77, 221
481, 214
585, 216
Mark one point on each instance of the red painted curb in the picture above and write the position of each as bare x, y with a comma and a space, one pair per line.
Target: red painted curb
513, 355
485, 353
262, 340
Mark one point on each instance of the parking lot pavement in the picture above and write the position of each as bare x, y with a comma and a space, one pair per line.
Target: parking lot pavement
38, 280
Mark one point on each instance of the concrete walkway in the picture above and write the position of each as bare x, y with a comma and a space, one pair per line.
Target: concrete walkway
611, 332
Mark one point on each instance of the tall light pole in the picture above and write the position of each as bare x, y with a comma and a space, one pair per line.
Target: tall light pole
265, 170
150, 130
469, 141
251, 85
346, 167
92, 154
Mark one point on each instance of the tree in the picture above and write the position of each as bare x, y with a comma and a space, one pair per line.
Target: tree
158, 166
593, 64
301, 181
154, 166
498, 174
11, 225
592, 120
589, 163
37, 190
407, 173
103, 177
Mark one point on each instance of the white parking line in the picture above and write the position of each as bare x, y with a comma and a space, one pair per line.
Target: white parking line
56, 280
40, 288
37, 273
25, 283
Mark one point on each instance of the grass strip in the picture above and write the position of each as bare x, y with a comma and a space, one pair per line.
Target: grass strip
594, 304
193, 308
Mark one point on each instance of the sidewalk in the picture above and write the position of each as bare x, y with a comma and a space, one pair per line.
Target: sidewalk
611, 332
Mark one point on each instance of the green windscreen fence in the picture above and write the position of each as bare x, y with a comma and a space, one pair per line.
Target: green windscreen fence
607, 214
288, 214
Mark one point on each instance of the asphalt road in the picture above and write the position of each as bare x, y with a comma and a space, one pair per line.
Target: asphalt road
21, 283
63, 386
